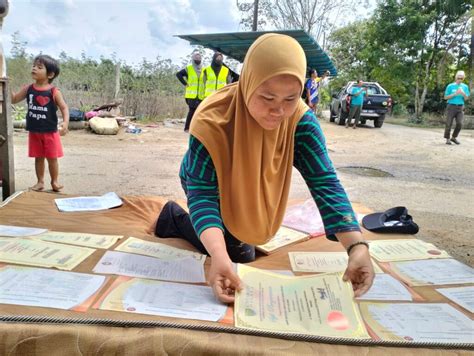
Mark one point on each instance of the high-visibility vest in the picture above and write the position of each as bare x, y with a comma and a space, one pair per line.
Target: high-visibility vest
195, 87
213, 83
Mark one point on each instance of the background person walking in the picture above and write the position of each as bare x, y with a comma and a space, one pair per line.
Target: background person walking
357, 100
455, 94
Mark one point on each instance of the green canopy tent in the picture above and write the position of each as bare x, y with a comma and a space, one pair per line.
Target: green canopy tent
236, 44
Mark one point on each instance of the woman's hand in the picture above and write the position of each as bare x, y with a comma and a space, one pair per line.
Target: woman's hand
359, 270
223, 279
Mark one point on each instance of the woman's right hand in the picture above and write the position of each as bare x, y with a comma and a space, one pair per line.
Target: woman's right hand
223, 279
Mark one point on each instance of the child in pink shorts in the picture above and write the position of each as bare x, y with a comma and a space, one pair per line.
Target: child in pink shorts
43, 100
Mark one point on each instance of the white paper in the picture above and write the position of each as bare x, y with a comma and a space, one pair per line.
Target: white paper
185, 269
386, 287
464, 296
422, 322
165, 299
360, 217
437, 272
19, 231
319, 262
106, 201
46, 288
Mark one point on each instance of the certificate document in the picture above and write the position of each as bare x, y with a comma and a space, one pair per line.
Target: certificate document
315, 305
42, 253
315, 262
19, 231
284, 237
404, 250
156, 249
185, 269
464, 296
40, 287
422, 322
80, 239
433, 272
142, 296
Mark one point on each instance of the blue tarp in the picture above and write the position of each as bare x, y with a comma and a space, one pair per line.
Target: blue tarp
236, 44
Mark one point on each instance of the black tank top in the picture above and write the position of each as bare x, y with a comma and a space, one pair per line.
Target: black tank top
41, 115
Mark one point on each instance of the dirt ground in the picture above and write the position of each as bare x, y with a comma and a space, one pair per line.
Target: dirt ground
433, 180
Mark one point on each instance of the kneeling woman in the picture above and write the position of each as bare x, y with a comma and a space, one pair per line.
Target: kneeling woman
245, 140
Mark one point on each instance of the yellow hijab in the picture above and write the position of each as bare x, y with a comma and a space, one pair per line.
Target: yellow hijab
253, 165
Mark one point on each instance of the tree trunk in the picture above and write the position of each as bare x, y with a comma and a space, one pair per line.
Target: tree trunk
417, 96
426, 77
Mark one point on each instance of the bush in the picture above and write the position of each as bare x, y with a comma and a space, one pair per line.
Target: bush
19, 112
399, 110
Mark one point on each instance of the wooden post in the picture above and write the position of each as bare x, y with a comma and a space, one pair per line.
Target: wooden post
255, 15
6, 141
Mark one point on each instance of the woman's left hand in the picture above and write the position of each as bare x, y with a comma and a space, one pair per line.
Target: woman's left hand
359, 270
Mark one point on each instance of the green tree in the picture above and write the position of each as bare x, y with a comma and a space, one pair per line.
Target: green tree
18, 46
418, 33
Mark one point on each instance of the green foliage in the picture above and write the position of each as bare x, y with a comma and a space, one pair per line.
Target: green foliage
149, 89
406, 44
19, 112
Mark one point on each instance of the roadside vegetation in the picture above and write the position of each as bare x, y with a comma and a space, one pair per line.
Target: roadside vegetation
412, 48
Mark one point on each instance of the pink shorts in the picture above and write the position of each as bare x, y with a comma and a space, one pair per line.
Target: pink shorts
44, 144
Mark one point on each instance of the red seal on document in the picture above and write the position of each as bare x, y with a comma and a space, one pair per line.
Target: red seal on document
434, 252
408, 338
131, 309
337, 320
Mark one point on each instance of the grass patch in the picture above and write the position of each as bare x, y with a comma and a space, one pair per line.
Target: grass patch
431, 121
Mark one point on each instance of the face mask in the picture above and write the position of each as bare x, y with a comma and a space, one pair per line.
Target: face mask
218, 61
197, 61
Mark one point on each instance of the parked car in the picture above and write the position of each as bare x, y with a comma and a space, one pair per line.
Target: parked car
377, 103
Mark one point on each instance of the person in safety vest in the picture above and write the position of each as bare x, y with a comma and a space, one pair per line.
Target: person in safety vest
216, 76
191, 77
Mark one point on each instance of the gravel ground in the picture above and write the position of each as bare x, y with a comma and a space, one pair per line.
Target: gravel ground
417, 170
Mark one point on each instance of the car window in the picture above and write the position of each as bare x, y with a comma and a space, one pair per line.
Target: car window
371, 90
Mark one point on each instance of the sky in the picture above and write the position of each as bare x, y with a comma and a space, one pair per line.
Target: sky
132, 29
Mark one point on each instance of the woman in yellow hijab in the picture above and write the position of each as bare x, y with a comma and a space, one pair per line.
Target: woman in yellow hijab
245, 140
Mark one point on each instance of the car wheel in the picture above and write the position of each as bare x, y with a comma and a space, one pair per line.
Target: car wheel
378, 122
363, 121
341, 117
332, 115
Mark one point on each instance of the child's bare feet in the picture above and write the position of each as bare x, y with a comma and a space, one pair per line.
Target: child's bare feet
38, 187
56, 186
